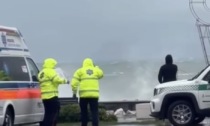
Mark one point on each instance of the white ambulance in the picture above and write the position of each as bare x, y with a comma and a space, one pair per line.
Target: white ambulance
20, 95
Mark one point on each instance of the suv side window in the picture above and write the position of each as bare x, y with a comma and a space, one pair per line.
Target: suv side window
33, 69
207, 77
13, 69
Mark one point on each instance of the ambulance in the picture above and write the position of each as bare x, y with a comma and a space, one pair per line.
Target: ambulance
20, 95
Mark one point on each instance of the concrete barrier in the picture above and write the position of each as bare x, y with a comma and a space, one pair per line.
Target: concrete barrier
143, 111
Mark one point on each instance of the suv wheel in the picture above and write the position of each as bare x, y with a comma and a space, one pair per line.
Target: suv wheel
181, 113
8, 120
198, 119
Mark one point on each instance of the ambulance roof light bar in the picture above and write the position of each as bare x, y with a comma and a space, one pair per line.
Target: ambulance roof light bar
12, 42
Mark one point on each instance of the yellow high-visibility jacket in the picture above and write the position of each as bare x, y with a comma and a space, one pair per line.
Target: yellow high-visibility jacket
87, 78
49, 79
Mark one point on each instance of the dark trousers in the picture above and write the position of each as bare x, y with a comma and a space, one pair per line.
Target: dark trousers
93, 102
52, 107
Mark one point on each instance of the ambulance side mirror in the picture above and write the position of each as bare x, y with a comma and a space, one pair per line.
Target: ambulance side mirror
34, 78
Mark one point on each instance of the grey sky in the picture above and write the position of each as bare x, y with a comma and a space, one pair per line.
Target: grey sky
70, 30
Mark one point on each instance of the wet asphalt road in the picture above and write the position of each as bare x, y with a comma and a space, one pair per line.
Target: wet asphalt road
204, 123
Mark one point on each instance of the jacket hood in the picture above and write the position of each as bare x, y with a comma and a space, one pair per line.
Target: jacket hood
169, 59
50, 63
88, 62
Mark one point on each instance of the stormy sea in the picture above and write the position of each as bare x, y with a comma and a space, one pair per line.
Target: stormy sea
130, 80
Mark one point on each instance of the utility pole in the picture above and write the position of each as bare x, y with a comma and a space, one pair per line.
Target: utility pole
201, 12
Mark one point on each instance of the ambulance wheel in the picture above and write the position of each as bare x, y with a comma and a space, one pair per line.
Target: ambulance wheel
8, 120
181, 113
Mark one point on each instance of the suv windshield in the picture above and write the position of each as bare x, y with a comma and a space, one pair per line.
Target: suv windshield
197, 75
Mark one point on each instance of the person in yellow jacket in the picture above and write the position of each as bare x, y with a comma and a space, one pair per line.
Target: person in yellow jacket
87, 79
49, 81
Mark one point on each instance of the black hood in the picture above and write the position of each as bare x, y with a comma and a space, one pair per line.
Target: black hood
169, 59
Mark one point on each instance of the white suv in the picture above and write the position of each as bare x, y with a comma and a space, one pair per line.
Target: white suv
183, 102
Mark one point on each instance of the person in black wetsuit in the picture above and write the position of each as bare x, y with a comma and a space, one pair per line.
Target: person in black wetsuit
167, 71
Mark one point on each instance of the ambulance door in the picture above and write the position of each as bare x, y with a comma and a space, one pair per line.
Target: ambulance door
35, 93
16, 86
